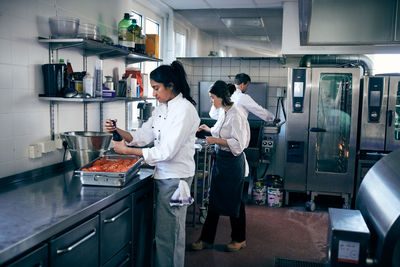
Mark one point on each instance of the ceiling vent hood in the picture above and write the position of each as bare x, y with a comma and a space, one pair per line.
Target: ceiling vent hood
343, 22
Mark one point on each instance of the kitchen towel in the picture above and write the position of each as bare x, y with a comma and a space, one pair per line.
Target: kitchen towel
181, 196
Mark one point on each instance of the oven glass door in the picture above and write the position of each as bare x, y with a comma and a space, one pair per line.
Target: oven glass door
393, 118
334, 118
332, 134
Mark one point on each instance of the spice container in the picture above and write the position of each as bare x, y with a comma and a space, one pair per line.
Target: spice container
88, 85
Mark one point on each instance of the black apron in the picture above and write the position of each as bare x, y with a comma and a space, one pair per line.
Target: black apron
227, 180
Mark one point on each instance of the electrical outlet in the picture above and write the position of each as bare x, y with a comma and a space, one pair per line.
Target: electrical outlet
34, 151
47, 146
280, 91
59, 143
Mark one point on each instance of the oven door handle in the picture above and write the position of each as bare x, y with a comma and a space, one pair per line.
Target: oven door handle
317, 130
389, 118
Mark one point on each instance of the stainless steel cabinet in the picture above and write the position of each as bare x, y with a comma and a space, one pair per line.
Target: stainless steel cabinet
115, 228
77, 247
143, 232
38, 257
122, 259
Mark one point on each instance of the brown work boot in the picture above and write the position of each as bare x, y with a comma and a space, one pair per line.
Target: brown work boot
199, 245
235, 246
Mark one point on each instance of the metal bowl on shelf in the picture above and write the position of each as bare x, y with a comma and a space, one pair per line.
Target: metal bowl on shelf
88, 31
63, 27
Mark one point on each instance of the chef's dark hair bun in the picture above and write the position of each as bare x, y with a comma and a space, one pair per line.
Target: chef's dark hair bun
220, 89
174, 75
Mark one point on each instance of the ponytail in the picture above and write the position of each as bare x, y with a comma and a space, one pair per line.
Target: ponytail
181, 83
231, 88
175, 74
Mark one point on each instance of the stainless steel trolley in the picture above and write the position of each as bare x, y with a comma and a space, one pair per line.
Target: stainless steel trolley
203, 158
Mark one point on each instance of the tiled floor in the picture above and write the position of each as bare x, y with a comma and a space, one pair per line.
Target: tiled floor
288, 232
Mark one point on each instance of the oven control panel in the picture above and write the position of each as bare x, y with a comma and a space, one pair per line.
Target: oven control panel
298, 87
375, 91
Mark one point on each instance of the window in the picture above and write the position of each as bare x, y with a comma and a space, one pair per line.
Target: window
149, 27
180, 44
385, 63
152, 27
138, 17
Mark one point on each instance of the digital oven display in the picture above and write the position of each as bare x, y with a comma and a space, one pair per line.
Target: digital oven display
375, 99
298, 89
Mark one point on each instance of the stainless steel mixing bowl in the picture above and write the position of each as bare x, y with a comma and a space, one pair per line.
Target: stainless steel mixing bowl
85, 146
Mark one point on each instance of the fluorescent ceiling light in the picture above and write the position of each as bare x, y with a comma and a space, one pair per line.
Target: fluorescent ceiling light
243, 22
261, 38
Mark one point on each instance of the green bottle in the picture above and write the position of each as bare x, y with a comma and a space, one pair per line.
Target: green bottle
123, 29
130, 34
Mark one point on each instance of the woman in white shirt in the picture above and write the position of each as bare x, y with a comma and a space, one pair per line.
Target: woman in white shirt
172, 128
231, 135
244, 101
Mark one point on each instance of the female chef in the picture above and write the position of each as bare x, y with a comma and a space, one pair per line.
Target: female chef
172, 128
246, 102
231, 135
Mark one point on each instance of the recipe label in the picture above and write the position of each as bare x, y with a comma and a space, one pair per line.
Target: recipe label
348, 251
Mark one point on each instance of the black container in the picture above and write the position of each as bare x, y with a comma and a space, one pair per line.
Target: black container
53, 77
115, 134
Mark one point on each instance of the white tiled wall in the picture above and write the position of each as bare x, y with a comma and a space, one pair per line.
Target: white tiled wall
272, 71
25, 119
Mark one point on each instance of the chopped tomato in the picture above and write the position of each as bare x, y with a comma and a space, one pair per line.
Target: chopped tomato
105, 165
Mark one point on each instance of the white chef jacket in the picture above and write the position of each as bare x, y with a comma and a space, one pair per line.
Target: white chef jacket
172, 128
233, 126
246, 104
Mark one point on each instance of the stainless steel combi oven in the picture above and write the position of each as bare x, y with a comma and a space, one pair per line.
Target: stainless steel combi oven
380, 116
321, 132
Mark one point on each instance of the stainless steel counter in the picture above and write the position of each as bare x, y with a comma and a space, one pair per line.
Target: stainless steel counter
32, 211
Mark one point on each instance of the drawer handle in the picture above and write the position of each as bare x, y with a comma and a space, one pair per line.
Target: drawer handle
113, 219
125, 261
68, 249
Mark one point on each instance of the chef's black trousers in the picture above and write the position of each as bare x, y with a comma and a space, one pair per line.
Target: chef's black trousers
238, 225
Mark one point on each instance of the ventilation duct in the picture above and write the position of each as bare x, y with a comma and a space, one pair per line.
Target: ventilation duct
338, 61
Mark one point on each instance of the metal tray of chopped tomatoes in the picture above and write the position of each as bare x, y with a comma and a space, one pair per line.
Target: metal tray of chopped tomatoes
110, 170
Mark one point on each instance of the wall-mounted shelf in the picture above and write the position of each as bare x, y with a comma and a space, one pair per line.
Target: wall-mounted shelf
90, 48
92, 100
96, 48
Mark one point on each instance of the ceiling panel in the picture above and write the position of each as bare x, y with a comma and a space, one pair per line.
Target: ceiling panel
231, 3
206, 15
268, 3
194, 4
186, 4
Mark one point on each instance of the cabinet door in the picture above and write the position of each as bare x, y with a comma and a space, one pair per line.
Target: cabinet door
38, 257
143, 232
115, 228
77, 247
122, 259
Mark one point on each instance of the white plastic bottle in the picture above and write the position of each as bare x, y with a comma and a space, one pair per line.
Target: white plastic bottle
98, 78
88, 85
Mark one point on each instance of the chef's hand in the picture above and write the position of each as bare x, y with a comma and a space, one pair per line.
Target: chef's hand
109, 126
120, 147
211, 140
204, 127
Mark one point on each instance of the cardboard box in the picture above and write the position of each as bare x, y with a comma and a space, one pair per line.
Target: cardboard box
152, 45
